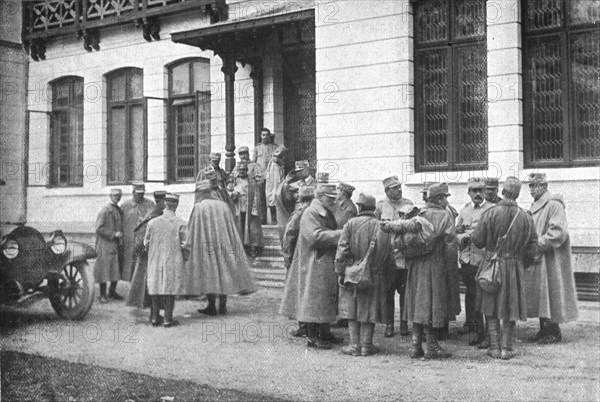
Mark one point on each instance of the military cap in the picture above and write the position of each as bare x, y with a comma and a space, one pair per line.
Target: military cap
323, 177
306, 191
476, 183
215, 156
537, 178
160, 194
366, 200
243, 149
327, 190
391, 181
491, 182
115, 191
301, 165
512, 185
209, 172
172, 197
139, 187
347, 188
438, 189
426, 186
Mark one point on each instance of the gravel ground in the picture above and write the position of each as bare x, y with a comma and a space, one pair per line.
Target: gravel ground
249, 351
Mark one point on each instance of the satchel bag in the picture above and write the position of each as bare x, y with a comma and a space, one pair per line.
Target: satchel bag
359, 276
488, 274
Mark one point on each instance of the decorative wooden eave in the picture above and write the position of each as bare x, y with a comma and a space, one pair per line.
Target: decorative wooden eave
47, 20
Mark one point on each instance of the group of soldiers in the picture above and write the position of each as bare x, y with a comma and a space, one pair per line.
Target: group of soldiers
326, 234
323, 232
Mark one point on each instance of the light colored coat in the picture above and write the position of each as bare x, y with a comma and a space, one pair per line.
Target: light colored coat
217, 263
109, 222
314, 259
133, 213
166, 241
550, 283
274, 176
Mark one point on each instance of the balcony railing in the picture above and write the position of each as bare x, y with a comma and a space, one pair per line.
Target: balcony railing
44, 18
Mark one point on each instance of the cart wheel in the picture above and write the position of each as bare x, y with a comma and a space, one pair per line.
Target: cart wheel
75, 294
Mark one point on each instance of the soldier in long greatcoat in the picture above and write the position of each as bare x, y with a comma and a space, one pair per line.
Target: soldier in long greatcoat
314, 260
166, 241
134, 211
507, 305
275, 174
427, 281
109, 234
363, 308
551, 293
138, 289
218, 263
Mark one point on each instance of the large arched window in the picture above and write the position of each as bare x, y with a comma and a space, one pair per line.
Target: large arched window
561, 57
450, 84
189, 118
66, 144
127, 142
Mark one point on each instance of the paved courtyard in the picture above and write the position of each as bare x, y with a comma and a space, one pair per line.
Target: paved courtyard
249, 350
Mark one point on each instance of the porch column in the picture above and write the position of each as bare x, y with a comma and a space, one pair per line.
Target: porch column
257, 82
229, 68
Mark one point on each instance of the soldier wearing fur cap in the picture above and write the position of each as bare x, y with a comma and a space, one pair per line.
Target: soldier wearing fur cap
387, 210
363, 308
551, 293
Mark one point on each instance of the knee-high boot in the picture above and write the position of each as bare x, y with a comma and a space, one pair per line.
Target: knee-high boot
434, 350
353, 348
169, 304
367, 347
417, 342
508, 336
494, 350
155, 317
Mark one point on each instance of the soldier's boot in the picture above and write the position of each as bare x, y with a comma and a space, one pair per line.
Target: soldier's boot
508, 337
417, 342
103, 298
211, 309
553, 334
367, 347
542, 331
222, 304
353, 348
390, 303
494, 349
314, 339
485, 344
301, 331
404, 328
434, 350
155, 317
327, 336
169, 305
112, 293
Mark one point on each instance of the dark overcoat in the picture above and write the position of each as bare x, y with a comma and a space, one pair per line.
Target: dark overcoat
133, 213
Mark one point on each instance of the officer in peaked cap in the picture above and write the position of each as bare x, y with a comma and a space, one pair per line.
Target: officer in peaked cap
491, 190
346, 209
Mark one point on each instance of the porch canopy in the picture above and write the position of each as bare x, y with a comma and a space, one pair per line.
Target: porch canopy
242, 38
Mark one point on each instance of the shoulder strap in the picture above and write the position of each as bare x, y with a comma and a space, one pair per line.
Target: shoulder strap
503, 238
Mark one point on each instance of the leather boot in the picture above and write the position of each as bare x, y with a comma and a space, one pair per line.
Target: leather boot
404, 328
211, 309
434, 350
326, 335
155, 317
553, 334
367, 347
169, 304
353, 348
103, 298
222, 304
417, 342
112, 292
314, 338
508, 336
494, 350
542, 331
301, 331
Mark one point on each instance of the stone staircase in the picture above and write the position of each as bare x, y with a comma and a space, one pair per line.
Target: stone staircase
268, 270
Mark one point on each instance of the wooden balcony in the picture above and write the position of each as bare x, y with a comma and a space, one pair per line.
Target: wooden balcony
48, 19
